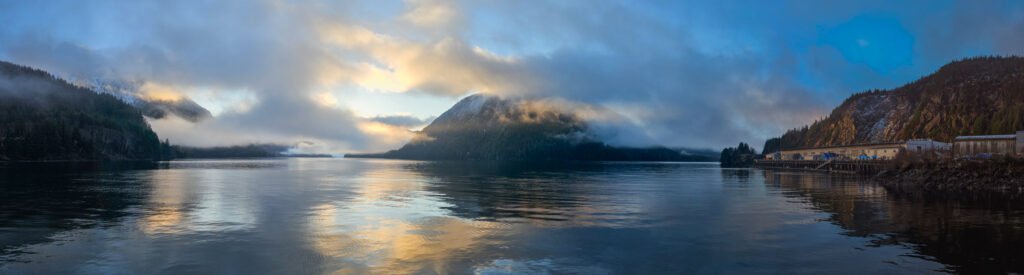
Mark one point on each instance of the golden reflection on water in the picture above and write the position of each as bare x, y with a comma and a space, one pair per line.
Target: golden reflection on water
162, 220
400, 220
186, 201
392, 218
167, 201
393, 226
393, 245
368, 216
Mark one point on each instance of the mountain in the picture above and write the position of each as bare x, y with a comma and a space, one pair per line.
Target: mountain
45, 118
975, 96
238, 151
709, 153
487, 127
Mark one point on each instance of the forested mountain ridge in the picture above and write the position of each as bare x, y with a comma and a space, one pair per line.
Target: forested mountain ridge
43, 118
974, 96
487, 127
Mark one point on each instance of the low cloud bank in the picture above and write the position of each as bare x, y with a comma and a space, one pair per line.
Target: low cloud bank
672, 73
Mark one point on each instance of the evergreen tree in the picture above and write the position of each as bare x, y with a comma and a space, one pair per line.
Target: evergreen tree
741, 156
46, 118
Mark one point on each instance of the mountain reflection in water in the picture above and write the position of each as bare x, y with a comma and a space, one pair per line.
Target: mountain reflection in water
386, 216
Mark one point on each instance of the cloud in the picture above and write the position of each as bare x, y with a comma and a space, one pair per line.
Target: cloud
432, 15
676, 73
447, 66
403, 120
184, 108
687, 98
257, 46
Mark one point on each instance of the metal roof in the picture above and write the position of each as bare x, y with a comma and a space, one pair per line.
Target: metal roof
986, 137
880, 145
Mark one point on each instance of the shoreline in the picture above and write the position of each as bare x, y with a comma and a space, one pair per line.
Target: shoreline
1002, 177
75, 161
152, 161
375, 156
955, 176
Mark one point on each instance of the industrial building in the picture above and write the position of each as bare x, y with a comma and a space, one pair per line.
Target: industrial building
962, 146
862, 151
968, 146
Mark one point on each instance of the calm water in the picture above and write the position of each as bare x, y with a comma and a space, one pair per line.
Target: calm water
295, 216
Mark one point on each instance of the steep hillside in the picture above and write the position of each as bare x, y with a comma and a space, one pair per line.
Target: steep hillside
483, 127
975, 96
45, 118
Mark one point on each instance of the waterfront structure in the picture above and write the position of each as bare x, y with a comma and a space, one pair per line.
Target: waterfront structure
926, 145
882, 151
1011, 144
1020, 143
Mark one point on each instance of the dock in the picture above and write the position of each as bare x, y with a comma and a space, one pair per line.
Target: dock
859, 167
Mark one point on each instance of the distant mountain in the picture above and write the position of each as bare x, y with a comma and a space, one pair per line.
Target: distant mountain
975, 96
239, 151
486, 127
710, 153
46, 118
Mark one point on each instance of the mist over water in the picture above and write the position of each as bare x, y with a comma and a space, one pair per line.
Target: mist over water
381, 216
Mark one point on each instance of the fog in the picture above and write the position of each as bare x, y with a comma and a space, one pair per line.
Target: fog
675, 73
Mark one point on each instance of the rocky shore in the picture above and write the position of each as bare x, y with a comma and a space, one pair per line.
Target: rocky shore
1004, 175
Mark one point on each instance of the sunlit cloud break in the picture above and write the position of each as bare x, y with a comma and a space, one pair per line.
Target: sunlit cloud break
667, 73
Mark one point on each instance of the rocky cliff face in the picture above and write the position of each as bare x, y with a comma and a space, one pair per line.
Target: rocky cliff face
485, 127
45, 118
974, 96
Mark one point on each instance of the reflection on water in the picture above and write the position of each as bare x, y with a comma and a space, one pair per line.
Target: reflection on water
970, 237
379, 216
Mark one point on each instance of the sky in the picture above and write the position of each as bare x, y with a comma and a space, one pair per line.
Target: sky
358, 76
